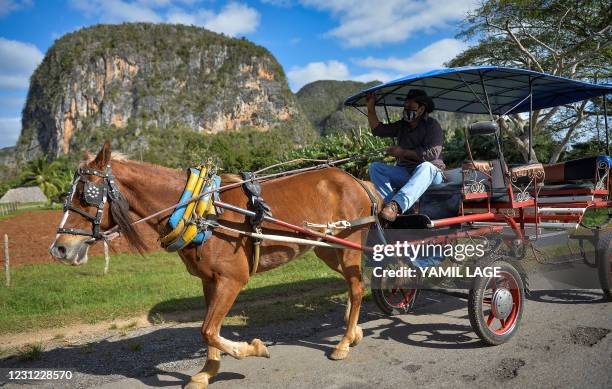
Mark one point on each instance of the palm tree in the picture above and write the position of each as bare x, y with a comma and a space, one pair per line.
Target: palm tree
46, 175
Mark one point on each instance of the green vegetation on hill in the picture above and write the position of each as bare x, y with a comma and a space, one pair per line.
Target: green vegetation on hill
322, 103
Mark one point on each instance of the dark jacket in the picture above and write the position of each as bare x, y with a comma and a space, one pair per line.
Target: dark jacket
425, 139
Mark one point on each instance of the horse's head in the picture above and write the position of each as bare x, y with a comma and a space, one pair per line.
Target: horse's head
94, 205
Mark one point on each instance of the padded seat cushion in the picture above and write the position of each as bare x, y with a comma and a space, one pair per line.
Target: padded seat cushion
574, 170
483, 166
527, 171
584, 185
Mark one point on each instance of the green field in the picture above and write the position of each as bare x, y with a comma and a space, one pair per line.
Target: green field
54, 295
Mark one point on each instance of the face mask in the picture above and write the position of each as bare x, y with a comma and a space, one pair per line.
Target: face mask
409, 115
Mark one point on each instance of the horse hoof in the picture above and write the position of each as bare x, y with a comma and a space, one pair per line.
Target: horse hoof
339, 354
196, 385
260, 349
358, 336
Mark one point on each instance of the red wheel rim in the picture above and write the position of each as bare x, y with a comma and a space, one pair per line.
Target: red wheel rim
399, 298
496, 325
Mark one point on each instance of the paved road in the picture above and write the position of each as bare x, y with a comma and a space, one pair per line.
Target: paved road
436, 348
563, 343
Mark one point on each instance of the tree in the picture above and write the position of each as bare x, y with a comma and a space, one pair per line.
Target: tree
49, 176
567, 38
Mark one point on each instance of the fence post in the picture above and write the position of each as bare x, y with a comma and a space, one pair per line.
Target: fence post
106, 257
7, 268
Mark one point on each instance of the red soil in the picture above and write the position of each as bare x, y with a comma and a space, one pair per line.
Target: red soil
30, 235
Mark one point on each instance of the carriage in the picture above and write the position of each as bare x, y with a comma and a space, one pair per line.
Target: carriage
509, 205
506, 207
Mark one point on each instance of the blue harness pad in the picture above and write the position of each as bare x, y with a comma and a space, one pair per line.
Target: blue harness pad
203, 236
179, 212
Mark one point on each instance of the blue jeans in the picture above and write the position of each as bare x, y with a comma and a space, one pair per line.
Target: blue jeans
401, 185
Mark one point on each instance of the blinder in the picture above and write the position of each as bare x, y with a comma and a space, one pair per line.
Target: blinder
93, 194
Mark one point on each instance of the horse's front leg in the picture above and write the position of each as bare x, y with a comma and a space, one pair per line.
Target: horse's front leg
223, 294
351, 269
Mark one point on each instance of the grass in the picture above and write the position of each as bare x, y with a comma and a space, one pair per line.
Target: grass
53, 295
30, 352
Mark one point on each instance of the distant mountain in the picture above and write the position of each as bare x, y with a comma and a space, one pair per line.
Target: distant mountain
137, 76
322, 103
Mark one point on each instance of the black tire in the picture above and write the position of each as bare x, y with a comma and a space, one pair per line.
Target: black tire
394, 301
484, 322
604, 262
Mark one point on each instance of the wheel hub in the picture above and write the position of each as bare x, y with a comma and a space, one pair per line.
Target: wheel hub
501, 303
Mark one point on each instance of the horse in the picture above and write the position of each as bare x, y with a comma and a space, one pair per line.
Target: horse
222, 262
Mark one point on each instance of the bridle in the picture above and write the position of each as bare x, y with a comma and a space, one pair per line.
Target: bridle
94, 194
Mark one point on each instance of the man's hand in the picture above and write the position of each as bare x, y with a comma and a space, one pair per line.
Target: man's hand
371, 102
398, 152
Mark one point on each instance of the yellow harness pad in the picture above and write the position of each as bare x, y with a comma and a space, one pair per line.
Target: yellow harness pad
186, 229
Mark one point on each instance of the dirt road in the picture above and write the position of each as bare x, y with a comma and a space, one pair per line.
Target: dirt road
564, 342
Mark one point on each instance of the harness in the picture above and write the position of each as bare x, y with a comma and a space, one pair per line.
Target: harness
193, 222
94, 194
252, 188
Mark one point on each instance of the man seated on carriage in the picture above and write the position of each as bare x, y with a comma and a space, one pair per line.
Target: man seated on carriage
418, 153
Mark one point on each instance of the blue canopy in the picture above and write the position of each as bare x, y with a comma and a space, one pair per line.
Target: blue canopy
474, 89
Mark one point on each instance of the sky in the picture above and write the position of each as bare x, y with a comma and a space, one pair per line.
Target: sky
312, 39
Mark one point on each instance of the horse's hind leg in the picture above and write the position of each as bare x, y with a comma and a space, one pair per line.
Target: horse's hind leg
351, 269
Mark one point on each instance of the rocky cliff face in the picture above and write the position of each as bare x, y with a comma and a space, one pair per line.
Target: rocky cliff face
134, 76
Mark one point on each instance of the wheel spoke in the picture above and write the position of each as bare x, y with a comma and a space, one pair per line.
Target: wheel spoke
490, 318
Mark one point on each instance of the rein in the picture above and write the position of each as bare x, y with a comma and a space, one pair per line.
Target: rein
113, 232
98, 195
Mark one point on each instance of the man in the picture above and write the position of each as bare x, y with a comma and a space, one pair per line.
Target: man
418, 152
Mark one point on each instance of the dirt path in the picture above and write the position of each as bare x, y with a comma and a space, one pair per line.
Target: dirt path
31, 233
564, 342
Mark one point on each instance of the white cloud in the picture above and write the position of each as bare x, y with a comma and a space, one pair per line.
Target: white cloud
329, 70
117, 11
389, 21
8, 6
9, 131
17, 62
233, 19
428, 58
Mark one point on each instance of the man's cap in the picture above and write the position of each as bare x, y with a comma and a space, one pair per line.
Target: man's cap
420, 96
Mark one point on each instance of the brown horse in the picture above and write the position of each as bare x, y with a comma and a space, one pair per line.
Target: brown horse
318, 196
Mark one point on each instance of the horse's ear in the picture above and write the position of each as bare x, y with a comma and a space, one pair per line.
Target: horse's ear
103, 157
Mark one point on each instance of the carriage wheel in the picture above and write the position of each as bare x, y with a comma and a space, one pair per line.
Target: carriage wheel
395, 301
604, 262
495, 304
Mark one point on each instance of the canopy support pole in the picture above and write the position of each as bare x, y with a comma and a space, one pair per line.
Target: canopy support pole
387, 114
605, 107
530, 118
484, 89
